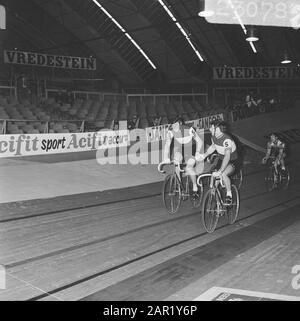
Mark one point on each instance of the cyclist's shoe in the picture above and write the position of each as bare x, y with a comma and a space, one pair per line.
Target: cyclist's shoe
195, 196
228, 200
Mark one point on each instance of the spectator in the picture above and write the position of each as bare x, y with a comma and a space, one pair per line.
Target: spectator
156, 121
132, 123
250, 102
116, 125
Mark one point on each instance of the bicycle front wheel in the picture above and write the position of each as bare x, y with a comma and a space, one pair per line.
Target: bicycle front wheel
210, 215
171, 193
270, 179
285, 178
233, 209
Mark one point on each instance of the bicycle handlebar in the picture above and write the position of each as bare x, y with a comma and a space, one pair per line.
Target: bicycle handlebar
209, 175
201, 176
162, 164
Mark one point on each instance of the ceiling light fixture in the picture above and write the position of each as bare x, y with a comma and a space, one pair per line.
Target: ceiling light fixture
252, 34
286, 59
202, 12
241, 23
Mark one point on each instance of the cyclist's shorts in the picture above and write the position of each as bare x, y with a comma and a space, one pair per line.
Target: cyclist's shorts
276, 154
234, 163
182, 157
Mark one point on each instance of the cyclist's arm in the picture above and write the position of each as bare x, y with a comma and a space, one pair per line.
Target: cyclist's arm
167, 147
281, 150
228, 145
226, 160
199, 143
268, 150
209, 151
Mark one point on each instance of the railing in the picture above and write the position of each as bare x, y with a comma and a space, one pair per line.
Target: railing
199, 97
17, 126
8, 91
88, 95
247, 112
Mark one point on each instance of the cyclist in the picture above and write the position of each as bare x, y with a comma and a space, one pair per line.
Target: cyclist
225, 147
185, 144
276, 150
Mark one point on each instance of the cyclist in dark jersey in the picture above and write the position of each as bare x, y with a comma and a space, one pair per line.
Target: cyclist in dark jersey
224, 145
183, 142
276, 149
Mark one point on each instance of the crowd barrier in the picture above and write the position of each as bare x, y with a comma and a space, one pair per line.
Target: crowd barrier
246, 112
80, 141
43, 144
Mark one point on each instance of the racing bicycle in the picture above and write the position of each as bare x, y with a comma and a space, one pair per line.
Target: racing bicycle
276, 177
214, 205
177, 189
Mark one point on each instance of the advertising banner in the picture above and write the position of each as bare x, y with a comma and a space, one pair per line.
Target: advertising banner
158, 133
250, 73
43, 144
46, 60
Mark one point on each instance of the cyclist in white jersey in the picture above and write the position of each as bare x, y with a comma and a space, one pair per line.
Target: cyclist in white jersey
185, 144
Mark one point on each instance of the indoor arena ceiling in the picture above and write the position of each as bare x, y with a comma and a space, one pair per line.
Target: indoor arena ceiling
80, 27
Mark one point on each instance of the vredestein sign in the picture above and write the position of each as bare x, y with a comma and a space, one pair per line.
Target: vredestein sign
245, 73
46, 60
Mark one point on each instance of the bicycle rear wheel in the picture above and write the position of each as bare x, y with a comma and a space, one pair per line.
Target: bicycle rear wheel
233, 209
285, 178
210, 215
171, 193
270, 179
237, 179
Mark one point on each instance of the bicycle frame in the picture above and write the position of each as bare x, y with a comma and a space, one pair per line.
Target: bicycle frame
214, 182
276, 169
185, 189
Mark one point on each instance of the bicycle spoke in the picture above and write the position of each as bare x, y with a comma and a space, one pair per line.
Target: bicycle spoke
210, 213
270, 179
171, 194
233, 209
285, 179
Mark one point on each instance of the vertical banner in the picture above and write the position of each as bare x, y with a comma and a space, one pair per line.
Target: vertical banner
2, 17
2, 278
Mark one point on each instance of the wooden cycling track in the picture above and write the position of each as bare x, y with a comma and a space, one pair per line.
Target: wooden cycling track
123, 245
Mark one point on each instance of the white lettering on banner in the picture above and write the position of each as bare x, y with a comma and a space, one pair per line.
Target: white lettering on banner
204, 123
158, 133
46, 60
112, 139
42, 144
229, 73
